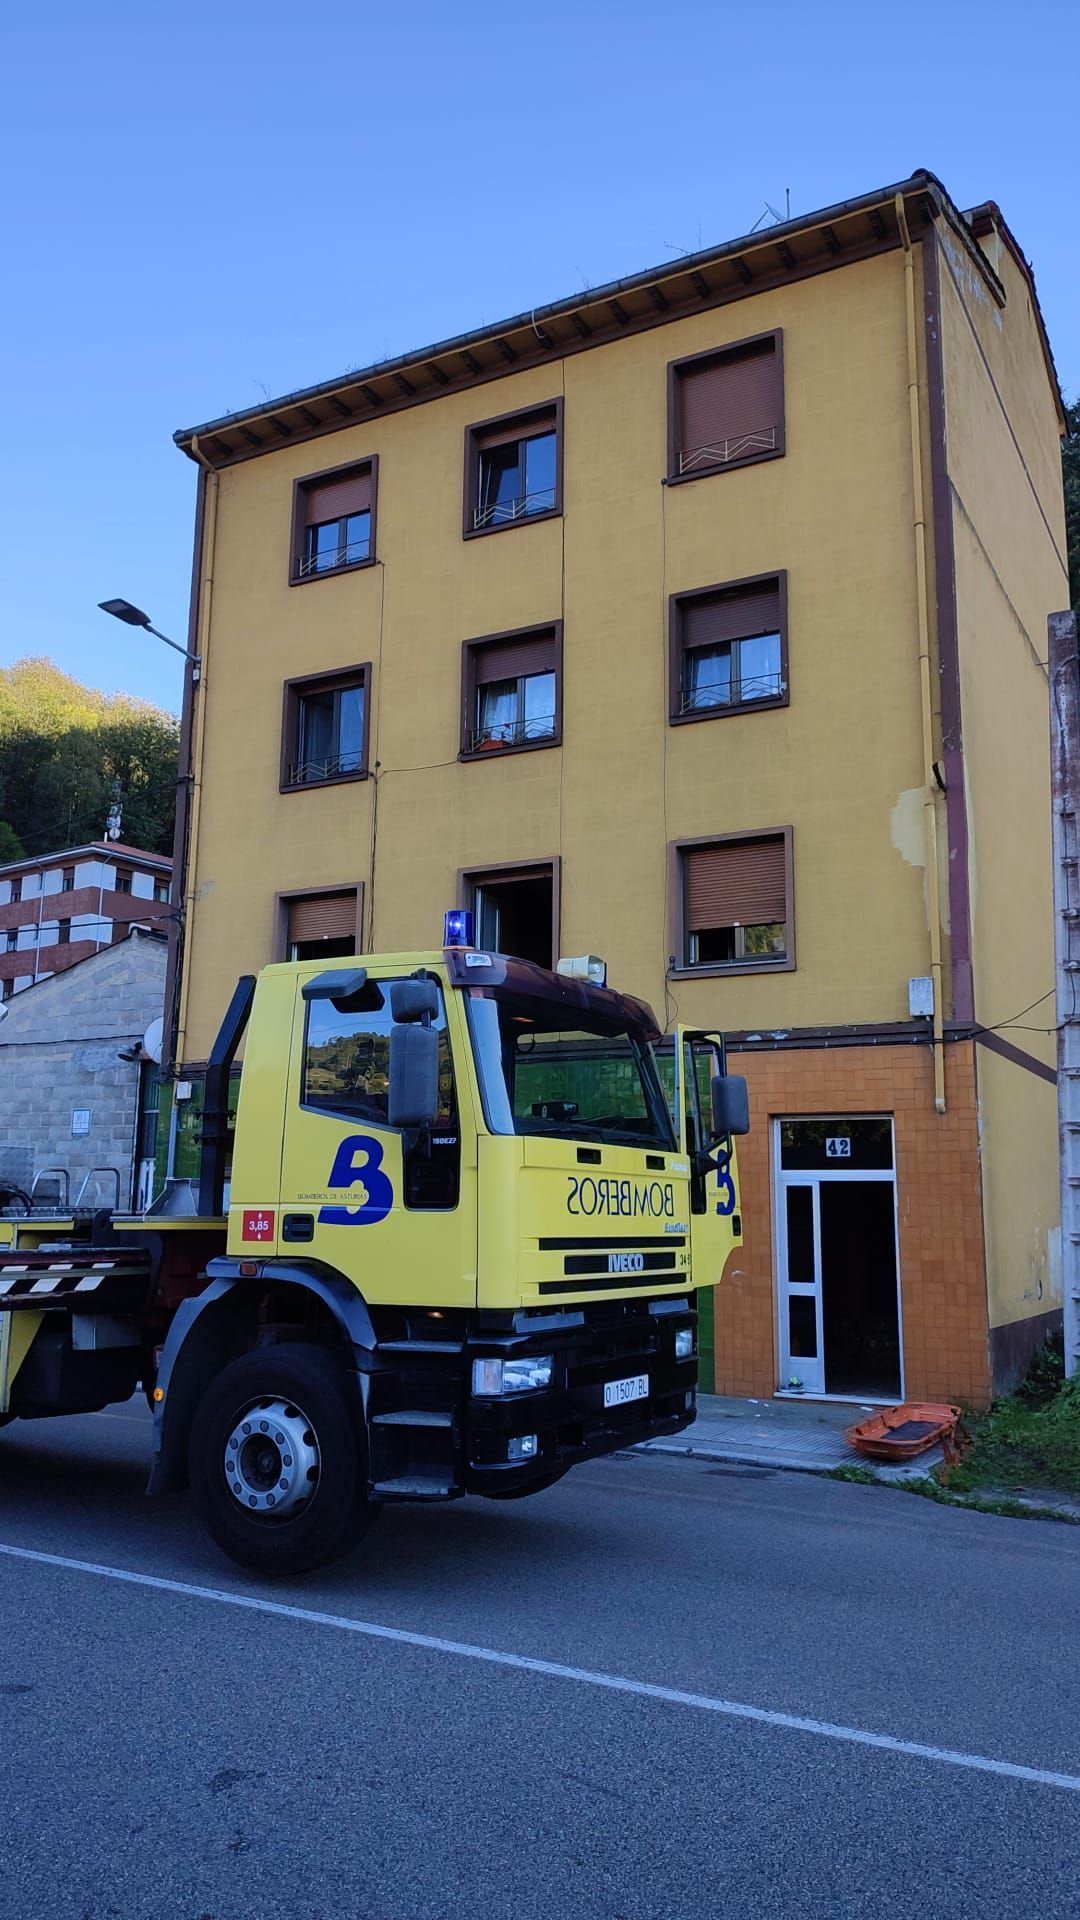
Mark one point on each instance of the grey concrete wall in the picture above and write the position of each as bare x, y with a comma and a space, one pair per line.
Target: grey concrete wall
58, 1055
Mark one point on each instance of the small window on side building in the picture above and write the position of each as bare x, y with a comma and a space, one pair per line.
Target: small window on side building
321, 926
63, 933
324, 733
513, 469
736, 906
511, 693
728, 648
334, 522
67, 880
123, 880
726, 408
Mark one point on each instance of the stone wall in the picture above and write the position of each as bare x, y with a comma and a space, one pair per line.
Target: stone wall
59, 1048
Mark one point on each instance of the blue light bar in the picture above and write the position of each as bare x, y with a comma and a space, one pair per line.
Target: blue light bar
458, 928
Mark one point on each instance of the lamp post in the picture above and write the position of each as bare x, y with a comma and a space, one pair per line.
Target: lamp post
133, 616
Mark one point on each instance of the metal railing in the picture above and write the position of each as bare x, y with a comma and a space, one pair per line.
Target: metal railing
511, 733
330, 767
732, 693
719, 453
329, 557
501, 511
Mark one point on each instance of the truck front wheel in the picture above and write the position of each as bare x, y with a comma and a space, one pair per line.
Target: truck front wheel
276, 1460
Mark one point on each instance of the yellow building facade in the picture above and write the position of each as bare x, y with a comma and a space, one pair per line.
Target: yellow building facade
698, 621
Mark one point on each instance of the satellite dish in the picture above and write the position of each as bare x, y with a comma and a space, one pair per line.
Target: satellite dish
153, 1039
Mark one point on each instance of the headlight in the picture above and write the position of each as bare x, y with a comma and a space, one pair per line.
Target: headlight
490, 1377
684, 1343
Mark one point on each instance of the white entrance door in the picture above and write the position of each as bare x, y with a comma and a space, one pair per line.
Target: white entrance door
837, 1258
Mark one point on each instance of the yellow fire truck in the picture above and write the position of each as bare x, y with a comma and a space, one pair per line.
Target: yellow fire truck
455, 1252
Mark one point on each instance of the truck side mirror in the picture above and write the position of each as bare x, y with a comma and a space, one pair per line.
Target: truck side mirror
412, 1000
730, 1105
414, 1076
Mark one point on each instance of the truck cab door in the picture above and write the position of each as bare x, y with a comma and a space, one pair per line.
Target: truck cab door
392, 1210
715, 1222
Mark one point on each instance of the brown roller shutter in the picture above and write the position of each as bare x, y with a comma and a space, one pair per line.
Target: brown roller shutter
332, 500
712, 619
508, 659
732, 400
741, 883
323, 916
522, 426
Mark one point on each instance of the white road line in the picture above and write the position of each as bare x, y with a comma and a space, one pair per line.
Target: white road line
555, 1670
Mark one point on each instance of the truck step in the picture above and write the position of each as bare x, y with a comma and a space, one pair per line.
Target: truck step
419, 1346
413, 1487
411, 1417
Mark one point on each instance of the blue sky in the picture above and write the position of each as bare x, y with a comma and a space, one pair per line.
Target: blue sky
211, 204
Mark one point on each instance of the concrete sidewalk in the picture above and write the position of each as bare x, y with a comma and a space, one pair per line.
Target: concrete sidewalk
806, 1436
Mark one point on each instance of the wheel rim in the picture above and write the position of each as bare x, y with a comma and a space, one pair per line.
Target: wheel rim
271, 1459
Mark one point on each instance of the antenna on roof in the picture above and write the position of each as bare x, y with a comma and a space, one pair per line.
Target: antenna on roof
769, 212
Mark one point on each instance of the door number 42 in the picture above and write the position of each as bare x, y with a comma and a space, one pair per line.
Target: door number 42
838, 1149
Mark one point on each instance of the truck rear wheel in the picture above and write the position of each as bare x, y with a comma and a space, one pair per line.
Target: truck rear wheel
276, 1461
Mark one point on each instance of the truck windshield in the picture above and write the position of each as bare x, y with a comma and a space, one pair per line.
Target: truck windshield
544, 1073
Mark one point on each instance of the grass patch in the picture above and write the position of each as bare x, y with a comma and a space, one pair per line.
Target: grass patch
1030, 1439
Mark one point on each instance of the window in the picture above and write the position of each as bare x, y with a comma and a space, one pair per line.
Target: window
513, 469
334, 521
346, 1071
63, 933
123, 879
319, 926
511, 693
324, 734
9, 989
728, 648
16, 889
515, 909
161, 890
726, 409
67, 881
578, 1076
12, 939
734, 903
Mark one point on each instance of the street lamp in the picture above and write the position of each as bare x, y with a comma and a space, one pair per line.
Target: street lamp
134, 617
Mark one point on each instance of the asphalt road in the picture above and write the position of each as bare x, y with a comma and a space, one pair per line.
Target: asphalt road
169, 1754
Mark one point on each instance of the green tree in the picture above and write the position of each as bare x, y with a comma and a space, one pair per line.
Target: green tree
11, 847
65, 749
1070, 462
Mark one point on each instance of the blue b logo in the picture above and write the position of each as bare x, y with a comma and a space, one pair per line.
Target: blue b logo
358, 1163
725, 1186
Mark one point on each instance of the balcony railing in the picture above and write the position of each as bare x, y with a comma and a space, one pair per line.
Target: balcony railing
511, 733
732, 693
329, 557
303, 773
503, 511
720, 453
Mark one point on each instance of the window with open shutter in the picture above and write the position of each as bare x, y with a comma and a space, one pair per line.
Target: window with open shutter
513, 469
727, 408
511, 692
736, 905
728, 648
334, 521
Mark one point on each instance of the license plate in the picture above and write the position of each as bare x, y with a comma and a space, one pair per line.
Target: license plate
618, 1392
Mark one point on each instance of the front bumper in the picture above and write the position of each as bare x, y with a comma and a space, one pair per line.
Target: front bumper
569, 1418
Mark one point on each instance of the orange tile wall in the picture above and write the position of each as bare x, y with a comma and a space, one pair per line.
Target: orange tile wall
942, 1255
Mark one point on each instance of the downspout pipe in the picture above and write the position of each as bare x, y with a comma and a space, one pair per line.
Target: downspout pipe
930, 824
198, 735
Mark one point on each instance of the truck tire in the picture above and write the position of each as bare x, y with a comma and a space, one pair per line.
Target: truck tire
277, 1460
